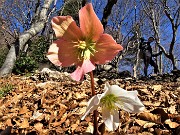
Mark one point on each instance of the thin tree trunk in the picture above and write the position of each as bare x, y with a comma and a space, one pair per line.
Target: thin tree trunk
36, 27
137, 61
136, 64
107, 12
161, 64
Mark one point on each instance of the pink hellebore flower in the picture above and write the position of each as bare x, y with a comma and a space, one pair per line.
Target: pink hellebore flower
83, 46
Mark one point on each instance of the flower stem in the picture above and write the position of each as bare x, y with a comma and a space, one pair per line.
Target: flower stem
95, 111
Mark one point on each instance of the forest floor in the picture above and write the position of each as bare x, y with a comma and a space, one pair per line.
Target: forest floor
53, 105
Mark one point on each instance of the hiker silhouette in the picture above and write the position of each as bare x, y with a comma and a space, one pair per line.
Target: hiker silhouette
147, 55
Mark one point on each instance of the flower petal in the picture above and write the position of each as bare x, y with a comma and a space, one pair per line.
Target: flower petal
83, 68
93, 104
65, 26
106, 48
53, 54
106, 89
62, 53
89, 23
118, 91
130, 104
110, 118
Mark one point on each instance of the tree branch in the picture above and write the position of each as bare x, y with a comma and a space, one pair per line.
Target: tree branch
107, 12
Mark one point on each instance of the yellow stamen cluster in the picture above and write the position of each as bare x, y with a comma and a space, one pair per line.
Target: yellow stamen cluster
109, 101
85, 49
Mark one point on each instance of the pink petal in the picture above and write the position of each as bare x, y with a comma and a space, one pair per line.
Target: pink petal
107, 49
65, 26
53, 54
81, 70
63, 53
89, 23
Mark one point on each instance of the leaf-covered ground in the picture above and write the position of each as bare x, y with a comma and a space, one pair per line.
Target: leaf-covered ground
46, 105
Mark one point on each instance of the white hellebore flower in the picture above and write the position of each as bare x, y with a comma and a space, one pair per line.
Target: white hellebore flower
113, 98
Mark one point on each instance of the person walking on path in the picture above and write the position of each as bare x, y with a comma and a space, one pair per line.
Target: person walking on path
146, 50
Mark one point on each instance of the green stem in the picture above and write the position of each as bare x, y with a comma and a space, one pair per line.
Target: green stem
95, 111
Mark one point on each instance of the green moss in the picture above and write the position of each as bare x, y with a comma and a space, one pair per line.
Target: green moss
4, 89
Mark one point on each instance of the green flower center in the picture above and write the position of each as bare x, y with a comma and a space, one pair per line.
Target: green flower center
85, 49
109, 101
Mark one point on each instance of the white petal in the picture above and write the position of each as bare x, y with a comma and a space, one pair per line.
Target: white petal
129, 94
116, 90
111, 120
106, 89
107, 85
93, 104
129, 104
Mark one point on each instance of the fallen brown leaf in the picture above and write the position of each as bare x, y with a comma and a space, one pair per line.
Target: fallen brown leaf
150, 117
38, 126
24, 124
171, 123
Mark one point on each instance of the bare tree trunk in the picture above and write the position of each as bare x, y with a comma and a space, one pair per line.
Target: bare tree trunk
137, 34
137, 61
107, 12
156, 23
159, 61
36, 27
175, 23
136, 64
160, 64
9, 62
